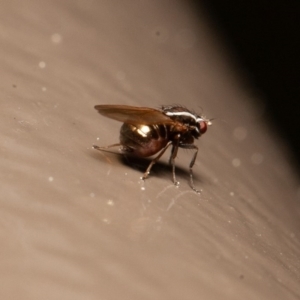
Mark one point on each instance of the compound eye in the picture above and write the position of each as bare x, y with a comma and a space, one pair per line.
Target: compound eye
203, 127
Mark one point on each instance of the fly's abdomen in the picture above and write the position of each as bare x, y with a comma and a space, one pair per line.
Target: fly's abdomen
143, 140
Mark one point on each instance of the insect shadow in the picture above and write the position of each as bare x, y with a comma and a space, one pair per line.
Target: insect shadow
160, 169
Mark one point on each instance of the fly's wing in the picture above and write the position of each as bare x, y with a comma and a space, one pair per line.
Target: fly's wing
133, 115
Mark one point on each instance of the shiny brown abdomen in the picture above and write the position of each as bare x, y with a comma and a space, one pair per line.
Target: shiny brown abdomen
143, 140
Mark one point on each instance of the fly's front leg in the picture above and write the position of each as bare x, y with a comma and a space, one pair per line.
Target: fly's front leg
192, 147
155, 160
172, 159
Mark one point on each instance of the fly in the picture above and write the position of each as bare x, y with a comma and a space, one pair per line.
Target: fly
147, 131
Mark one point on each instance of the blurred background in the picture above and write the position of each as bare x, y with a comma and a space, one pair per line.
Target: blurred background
79, 224
262, 38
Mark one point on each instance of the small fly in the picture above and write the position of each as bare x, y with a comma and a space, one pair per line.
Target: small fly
147, 131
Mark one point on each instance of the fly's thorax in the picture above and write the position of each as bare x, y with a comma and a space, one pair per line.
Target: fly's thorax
188, 123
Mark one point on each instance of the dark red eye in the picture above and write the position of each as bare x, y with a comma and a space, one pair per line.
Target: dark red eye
203, 127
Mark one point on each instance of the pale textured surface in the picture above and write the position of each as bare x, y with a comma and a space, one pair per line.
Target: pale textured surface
77, 224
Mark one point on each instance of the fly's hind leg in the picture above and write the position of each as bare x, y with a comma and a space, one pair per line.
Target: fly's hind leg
155, 160
122, 150
105, 148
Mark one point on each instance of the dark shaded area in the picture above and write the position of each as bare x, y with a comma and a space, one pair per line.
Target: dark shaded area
160, 169
264, 37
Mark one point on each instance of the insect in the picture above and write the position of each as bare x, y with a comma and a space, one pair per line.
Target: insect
147, 131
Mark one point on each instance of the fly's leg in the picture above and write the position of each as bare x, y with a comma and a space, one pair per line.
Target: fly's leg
105, 147
155, 160
192, 147
172, 160
123, 149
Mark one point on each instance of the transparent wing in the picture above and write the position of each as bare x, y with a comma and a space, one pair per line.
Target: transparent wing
133, 115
